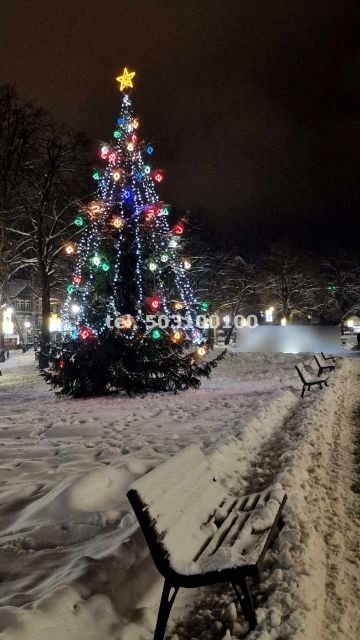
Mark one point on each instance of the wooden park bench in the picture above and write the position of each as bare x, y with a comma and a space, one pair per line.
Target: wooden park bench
200, 534
323, 365
309, 380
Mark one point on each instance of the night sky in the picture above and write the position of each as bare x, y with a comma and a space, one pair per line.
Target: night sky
253, 106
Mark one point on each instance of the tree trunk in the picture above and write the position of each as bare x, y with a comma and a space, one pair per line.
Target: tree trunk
45, 322
229, 333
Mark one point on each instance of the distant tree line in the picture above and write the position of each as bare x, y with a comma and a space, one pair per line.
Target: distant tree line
301, 287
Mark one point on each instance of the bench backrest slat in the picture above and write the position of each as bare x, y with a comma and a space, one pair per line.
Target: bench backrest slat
319, 360
303, 373
322, 362
179, 497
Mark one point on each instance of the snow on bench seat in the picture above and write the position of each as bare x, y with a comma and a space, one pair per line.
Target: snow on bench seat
198, 533
200, 525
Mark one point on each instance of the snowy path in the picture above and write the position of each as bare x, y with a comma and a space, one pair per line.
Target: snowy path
70, 547
310, 588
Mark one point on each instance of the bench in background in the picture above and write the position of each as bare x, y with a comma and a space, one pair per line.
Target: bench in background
308, 379
200, 534
328, 357
323, 365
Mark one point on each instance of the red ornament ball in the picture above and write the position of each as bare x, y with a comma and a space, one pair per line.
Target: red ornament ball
157, 175
178, 229
86, 334
153, 303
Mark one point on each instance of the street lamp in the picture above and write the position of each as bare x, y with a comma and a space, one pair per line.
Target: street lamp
27, 326
8, 325
55, 322
269, 314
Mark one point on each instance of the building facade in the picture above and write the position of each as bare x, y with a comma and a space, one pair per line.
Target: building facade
21, 317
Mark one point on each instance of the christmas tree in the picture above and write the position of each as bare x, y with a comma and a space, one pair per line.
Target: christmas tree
130, 319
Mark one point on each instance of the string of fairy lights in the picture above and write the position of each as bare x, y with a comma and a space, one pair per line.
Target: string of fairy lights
127, 205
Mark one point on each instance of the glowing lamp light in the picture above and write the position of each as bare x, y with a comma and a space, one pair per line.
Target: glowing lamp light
201, 351
134, 138
130, 146
75, 308
96, 175
8, 325
27, 324
116, 175
187, 264
127, 322
117, 134
165, 211
96, 261
54, 322
135, 123
204, 306
149, 216
178, 229
269, 314
155, 334
69, 288
70, 249
283, 322
94, 209
105, 266
138, 176
74, 334
61, 364
79, 221
127, 194
153, 303
149, 150
117, 222
86, 334
104, 151
147, 169
178, 336
173, 243
157, 175
121, 122
152, 266
164, 257
77, 279
112, 158
177, 305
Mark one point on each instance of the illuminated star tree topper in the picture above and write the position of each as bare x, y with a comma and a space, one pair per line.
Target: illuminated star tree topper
125, 80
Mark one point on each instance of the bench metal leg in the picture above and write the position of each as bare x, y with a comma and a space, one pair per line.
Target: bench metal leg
246, 602
303, 391
166, 603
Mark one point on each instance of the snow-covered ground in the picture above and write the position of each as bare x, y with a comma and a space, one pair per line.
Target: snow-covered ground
73, 563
